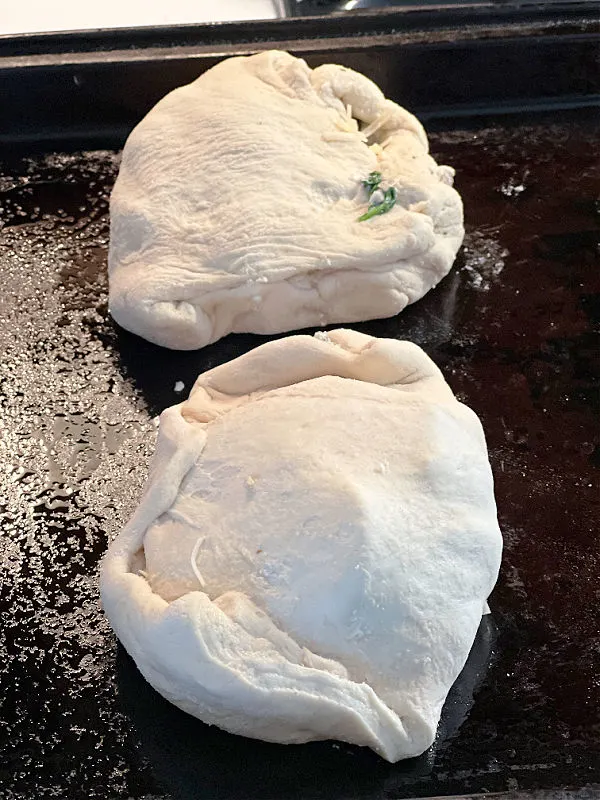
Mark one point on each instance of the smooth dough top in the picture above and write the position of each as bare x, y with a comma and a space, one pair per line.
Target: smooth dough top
236, 206
314, 549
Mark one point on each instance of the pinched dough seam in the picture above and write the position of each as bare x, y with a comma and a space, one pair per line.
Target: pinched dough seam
190, 417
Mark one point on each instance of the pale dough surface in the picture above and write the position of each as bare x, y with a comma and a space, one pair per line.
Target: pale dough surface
315, 546
236, 206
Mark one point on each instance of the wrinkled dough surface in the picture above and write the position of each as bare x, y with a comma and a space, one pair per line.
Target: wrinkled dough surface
236, 206
312, 555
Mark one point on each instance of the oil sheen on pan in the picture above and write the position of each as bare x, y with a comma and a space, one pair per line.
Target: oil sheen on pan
514, 329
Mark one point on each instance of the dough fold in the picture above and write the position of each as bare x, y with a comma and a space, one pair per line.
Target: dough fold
314, 548
237, 202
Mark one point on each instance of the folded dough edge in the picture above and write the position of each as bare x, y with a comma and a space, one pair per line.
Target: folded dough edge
201, 658
206, 238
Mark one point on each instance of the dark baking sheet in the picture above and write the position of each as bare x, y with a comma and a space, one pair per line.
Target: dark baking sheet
88, 89
514, 326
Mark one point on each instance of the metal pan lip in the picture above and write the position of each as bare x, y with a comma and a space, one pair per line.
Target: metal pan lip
465, 19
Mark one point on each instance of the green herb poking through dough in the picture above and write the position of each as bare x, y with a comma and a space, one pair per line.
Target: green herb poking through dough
372, 182
389, 199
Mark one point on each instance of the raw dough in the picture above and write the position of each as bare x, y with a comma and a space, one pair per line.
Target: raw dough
237, 201
312, 555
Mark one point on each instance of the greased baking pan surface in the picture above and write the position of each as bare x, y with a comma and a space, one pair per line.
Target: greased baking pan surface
514, 327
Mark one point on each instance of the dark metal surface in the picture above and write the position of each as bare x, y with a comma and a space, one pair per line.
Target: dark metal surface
515, 329
89, 89
462, 17
514, 326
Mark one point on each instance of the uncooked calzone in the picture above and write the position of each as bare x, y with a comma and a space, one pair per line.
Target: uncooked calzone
237, 203
314, 549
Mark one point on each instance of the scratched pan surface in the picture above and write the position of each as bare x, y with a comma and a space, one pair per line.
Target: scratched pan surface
514, 327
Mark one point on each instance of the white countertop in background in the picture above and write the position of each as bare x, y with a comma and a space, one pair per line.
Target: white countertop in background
33, 16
